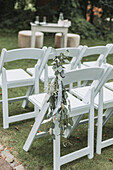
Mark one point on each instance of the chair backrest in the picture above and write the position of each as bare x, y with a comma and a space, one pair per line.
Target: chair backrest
18, 54
83, 74
42, 63
102, 51
74, 53
108, 75
111, 51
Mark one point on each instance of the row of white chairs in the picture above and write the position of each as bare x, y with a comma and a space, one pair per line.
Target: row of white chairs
87, 97
18, 77
79, 107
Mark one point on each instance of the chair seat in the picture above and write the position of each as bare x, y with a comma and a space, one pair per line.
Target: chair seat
83, 66
109, 85
90, 63
38, 99
50, 72
107, 96
17, 76
80, 92
77, 106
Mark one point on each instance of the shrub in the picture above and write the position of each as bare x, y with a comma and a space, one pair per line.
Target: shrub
19, 20
83, 28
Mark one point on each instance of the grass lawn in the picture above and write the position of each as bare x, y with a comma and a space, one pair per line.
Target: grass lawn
41, 152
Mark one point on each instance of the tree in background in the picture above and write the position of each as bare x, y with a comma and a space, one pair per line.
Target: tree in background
83, 6
22, 12
107, 15
6, 8
52, 8
20, 4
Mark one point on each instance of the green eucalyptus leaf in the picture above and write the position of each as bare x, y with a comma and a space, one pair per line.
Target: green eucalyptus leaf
65, 110
53, 63
66, 61
71, 122
60, 68
66, 53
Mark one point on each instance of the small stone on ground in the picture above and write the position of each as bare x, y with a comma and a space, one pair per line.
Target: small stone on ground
8, 161
4, 165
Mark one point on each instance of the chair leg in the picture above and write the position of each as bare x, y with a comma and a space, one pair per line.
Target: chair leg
35, 127
99, 125
5, 107
29, 92
99, 132
91, 133
56, 145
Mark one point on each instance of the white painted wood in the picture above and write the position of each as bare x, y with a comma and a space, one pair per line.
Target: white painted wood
103, 100
78, 107
52, 28
107, 143
102, 51
74, 53
91, 125
41, 134
5, 100
23, 53
20, 117
35, 127
99, 124
75, 155
19, 78
29, 92
48, 74
56, 147
91, 74
107, 114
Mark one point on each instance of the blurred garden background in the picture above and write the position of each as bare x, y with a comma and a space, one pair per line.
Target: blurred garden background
93, 21
90, 19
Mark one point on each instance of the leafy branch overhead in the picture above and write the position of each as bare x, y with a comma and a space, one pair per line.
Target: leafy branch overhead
59, 104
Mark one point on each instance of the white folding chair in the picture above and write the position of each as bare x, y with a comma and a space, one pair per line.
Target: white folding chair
102, 59
78, 107
102, 51
75, 53
109, 85
81, 92
19, 78
103, 102
105, 111
47, 74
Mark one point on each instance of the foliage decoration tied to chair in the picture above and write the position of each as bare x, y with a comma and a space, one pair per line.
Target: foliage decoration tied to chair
59, 106
13, 78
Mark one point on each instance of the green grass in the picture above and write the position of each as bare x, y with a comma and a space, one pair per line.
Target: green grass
41, 151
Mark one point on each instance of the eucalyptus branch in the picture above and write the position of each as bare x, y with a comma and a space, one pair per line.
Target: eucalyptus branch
59, 107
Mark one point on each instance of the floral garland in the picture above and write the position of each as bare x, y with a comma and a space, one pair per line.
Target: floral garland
59, 104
